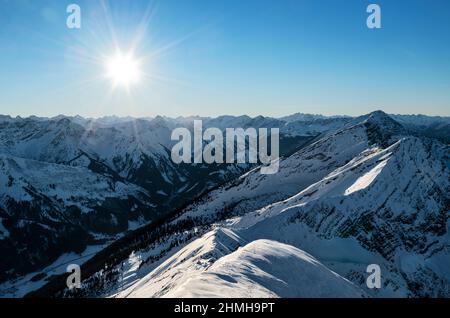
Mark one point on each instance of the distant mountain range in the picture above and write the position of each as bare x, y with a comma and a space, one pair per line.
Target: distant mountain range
104, 192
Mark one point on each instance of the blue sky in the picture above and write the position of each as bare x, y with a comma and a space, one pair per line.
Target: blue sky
213, 57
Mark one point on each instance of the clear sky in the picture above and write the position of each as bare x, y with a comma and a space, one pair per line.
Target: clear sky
213, 57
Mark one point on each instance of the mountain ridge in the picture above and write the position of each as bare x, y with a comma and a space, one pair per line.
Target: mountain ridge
362, 172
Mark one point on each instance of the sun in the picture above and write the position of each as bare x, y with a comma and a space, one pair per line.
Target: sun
123, 69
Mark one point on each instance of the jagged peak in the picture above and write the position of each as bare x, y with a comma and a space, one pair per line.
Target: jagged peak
158, 120
380, 127
380, 117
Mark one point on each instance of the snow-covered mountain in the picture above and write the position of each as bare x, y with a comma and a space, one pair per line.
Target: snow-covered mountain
432, 126
68, 184
72, 182
369, 192
351, 192
387, 206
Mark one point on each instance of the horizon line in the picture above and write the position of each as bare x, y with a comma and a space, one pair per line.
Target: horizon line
216, 116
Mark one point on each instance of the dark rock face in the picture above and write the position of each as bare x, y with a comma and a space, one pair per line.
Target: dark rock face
381, 128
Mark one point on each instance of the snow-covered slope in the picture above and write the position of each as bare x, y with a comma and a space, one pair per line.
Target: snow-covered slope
22, 179
262, 268
389, 207
49, 209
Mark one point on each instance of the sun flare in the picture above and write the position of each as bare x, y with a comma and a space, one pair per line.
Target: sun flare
123, 69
